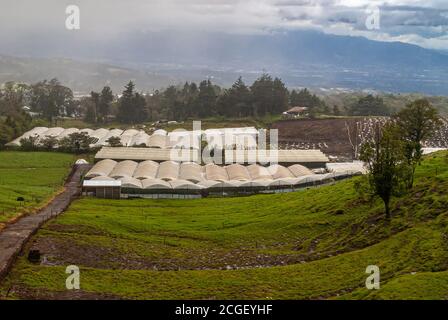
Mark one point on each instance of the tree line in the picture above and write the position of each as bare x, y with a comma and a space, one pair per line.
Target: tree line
49, 100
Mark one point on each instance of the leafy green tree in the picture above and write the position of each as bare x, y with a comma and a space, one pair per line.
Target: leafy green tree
417, 122
389, 172
6, 134
49, 143
78, 142
29, 144
114, 142
370, 106
50, 98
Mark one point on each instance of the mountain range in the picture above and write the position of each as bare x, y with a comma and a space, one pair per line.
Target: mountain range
301, 58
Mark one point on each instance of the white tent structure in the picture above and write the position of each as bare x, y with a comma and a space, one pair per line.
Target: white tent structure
170, 177
67, 132
123, 169
214, 172
35, 132
156, 184
131, 183
184, 185
237, 172
101, 168
280, 172
191, 171
168, 170
146, 170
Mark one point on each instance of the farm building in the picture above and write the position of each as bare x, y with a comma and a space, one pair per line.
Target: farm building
149, 178
310, 158
103, 188
240, 138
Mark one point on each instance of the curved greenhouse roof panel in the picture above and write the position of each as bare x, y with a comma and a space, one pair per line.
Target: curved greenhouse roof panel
156, 184
258, 172
52, 132
67, 132
191, 171
131, 183
208, 183
141, 139
130, 132
101, 168
37, 131
237, 172
214, 172
146, 170
125, 140
168, 170
184, 185
280, 172
160, 132
98, 134
157, 141
141, 154
112, 133
123, 169
299, 170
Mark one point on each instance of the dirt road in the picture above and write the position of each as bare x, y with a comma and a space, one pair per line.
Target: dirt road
14, 236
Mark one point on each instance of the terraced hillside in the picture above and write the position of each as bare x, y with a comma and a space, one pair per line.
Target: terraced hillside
34, 176
311, 244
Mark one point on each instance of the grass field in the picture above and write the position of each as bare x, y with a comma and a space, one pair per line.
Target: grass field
35, 176
310, 244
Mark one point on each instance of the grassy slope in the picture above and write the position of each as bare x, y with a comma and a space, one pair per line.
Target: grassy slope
325, 254
32, 175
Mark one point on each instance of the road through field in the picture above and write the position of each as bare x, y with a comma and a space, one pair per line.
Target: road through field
14, 236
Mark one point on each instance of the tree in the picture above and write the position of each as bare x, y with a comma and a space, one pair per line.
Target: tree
49, 143
389, 172
105, 100
417, 122
77, 142
29, 144
336, 110
269, 95
50, 98
6, 134
206, 100
132, 106
89, 109
95, 98
114, 142
370, 106
236, 101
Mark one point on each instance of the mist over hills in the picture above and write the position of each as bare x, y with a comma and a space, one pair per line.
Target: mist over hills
301, 58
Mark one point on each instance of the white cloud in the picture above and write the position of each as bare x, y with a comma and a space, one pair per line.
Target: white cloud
422, 22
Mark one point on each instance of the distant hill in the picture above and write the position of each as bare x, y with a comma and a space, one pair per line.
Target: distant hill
301, 58
80, 76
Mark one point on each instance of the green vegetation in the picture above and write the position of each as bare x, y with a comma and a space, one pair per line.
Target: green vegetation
34, 176
310, 244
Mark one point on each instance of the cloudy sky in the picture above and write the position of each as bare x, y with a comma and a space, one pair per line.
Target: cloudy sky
421, 22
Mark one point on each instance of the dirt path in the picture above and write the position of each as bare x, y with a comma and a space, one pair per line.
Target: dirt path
14, 236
